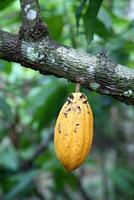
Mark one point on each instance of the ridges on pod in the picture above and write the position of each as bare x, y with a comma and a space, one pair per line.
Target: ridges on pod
73, 133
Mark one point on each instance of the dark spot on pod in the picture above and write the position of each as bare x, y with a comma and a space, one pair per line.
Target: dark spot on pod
79, 109
76, 128
68, 101
59, 128
68, 109
71, 96
85, 101
82, 96
65, 114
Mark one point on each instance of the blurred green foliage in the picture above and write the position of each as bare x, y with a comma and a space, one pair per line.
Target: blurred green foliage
30, 103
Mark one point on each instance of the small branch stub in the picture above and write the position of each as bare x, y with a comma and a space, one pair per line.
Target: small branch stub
33, 28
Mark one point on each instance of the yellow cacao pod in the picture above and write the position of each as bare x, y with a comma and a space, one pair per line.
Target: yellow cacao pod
74, 131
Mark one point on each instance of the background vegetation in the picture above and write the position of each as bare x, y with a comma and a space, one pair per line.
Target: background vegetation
30, 102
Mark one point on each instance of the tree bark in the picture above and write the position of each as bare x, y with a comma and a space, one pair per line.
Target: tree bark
33, 48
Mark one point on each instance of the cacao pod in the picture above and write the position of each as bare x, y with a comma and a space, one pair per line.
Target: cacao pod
74, 131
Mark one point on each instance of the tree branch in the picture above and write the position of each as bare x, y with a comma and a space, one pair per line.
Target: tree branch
97, 73
32, 27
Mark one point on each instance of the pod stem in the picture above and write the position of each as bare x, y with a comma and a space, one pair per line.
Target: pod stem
77, 89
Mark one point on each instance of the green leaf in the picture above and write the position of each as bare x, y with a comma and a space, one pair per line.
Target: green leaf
5, 3
123, 179
5, 67
105, 17
90, 18
22, 185
64, 180
5, 109
101, 30
51, 105
8, 157
79, 12
55, 24
10, 21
